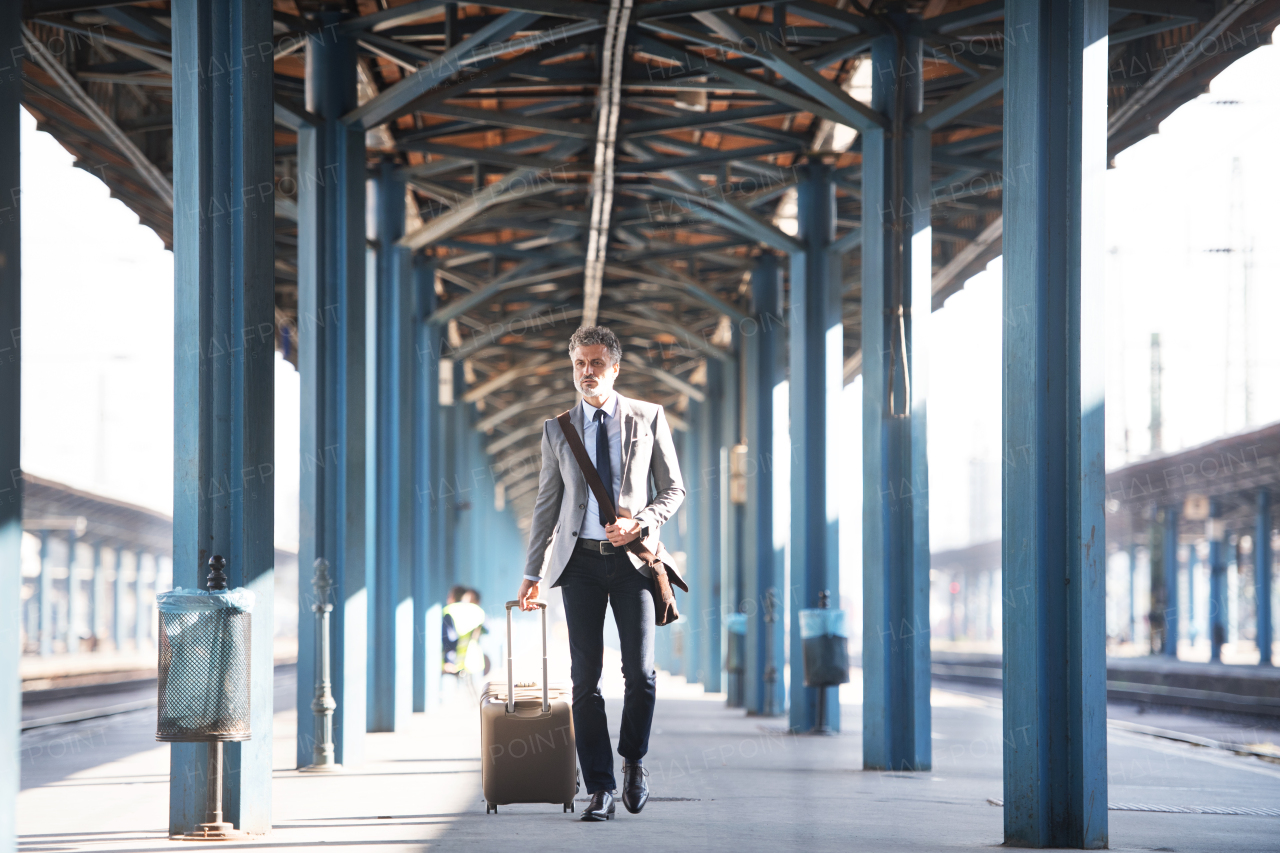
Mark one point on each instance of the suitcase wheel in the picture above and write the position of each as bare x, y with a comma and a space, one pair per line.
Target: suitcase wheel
569, 807
490, 807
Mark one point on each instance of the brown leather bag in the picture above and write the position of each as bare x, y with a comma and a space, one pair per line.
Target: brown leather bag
665, 576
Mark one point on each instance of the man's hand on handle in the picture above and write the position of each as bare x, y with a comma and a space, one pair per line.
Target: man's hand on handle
623, 532
528, 594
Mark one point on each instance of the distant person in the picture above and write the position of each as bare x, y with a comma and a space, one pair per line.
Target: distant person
464, 623
449, 631
577, 546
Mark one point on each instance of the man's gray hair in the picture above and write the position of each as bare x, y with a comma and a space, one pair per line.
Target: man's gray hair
589, 336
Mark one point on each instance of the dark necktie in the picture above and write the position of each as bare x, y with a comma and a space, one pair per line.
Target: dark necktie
604, 465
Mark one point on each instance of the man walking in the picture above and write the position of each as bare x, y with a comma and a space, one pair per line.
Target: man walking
574, 546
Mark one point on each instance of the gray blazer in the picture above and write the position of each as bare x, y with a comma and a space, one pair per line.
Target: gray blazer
651, 489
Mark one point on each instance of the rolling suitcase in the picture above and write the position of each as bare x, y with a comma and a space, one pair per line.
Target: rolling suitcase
526, 738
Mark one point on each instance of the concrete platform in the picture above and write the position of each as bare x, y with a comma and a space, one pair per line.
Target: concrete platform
721, 781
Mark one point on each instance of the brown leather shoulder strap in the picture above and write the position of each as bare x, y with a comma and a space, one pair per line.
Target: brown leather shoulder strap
588, 470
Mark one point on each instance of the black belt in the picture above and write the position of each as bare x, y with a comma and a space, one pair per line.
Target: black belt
597, 546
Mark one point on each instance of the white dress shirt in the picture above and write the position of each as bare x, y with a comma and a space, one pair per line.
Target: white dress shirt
591, 526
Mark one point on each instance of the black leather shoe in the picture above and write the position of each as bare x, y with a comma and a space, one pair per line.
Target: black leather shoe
635, 787
600, 808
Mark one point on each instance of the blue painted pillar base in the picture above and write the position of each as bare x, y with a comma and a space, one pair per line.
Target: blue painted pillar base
817, 381
896, 306
764, 545
224, 372
1055, 738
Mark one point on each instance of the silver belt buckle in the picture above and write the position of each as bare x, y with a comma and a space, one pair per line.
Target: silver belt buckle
602, 544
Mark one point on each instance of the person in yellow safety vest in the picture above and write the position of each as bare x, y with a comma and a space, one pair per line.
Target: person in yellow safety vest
467, 618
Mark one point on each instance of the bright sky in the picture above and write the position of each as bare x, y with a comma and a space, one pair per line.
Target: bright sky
97, 368
98, 320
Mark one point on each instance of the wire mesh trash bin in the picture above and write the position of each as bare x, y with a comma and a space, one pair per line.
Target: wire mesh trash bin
204, 679
204, 665
825, 644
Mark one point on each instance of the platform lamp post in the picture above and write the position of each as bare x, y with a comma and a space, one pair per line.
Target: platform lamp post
324, 705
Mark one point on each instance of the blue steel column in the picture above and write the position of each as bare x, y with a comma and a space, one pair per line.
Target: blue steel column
707, 617
1217, 581
73, 603
331, 365
45, 591
764, 555
117, 600
10, 415
141, 620
1055, 108
691, 468
896, 269
223, 374
427, 594
1262, 568
817, 360
391, 646
1170, 549
98, 606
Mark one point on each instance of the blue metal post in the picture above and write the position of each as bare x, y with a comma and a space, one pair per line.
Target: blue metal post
426, 414
1055, 108
224, 373
707, 617
73, 599
1217, 581
117, 601
332, 368
141, 619
392, 635
1133, 592
691, 468
1262, 567
765, 552
11, 79
1193, 560
45, 591
896, 301
98, 606
1170, 647
817, 359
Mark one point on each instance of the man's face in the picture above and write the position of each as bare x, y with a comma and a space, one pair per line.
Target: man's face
593, 374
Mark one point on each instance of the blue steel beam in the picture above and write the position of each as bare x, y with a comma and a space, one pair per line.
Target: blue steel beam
224, 370
391, 603
1262, 569
896, 294
1171, 611
1217, 581
331, 366
428, 591
10, 417
764, 545
816, 358
395, 99
1055, 108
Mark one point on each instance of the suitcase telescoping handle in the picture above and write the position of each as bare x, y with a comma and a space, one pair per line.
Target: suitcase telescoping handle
511, 679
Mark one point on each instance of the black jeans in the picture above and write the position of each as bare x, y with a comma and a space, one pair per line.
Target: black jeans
591, 582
